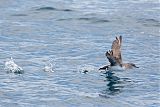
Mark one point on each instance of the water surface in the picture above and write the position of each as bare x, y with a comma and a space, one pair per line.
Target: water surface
75, 34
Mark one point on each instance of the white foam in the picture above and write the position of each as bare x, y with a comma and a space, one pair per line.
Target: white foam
11, 66
48, 67
86, 68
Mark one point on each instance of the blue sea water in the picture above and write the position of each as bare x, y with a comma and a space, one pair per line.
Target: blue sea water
74, 35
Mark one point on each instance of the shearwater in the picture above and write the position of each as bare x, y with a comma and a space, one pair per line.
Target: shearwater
115, 58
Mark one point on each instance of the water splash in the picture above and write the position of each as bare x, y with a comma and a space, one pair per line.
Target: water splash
86, 68
48, 67
11, 66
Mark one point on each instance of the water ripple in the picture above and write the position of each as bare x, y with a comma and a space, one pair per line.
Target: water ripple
52, 8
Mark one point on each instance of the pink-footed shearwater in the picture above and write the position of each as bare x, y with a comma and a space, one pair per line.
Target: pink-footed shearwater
115, 58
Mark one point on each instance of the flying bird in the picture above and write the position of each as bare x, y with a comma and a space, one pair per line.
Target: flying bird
115, 58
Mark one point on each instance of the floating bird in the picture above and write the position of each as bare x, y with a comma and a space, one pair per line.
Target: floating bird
115, 58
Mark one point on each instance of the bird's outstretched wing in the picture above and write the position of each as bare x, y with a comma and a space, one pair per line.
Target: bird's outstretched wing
114, 55
111, 58
116, 49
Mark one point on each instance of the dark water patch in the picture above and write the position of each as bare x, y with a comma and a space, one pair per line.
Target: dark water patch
94, 20
85, 19
114, 85
102, 21
19, 15
149, 22
91, 20
152, 20
46, 8
66, 10
16, 72
67, 19
52, 9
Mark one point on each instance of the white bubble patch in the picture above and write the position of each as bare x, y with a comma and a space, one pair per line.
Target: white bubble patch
86, 68
11, 66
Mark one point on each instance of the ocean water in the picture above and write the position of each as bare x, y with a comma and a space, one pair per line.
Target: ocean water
73, 36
